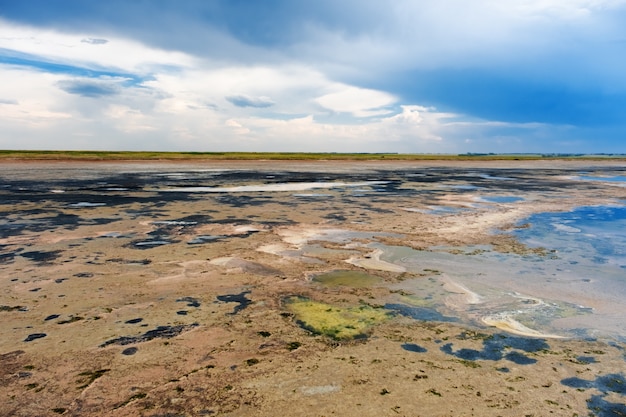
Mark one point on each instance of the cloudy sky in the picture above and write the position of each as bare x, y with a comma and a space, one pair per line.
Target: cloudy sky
445, 76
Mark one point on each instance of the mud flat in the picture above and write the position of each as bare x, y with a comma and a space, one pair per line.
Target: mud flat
311, 288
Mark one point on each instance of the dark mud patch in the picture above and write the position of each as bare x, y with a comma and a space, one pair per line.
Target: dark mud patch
412, 347
130, 351
149, 244
495, 346
10, 364
15, 227
42, 257
161, 332
247, 201
191, 302
13, 308
71, 319
599, 405
202, 239
604, 383
88, 377
130, 261
240, 299
7, 258
35, 336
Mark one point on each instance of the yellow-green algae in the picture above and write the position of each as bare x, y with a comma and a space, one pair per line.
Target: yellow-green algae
340, 323
347, 278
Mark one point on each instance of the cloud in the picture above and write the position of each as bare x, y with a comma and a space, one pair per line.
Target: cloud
360, 102
94, 41
247, 101
351, 75
118, 54
90, 87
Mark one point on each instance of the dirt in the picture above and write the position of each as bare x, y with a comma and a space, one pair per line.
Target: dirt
118, 298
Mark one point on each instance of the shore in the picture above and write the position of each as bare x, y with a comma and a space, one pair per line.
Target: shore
160, 288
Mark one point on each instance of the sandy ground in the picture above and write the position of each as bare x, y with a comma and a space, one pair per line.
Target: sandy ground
149, 303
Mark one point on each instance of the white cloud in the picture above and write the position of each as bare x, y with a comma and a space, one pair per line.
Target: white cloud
167, 113
69, 48
32, 96
186, 103
360, 102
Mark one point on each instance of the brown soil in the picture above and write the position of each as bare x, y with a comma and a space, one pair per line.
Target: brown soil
118, 327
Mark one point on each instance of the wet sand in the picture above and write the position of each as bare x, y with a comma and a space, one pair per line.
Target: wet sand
128, 289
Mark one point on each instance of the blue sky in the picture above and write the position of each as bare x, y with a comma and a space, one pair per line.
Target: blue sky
335, 76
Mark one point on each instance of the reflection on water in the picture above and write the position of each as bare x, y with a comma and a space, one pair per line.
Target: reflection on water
435, 210
589, 235
615, 178
579, 292
275, 187
501, 199
347, 278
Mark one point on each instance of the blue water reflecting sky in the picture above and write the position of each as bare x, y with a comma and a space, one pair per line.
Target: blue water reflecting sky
596, 233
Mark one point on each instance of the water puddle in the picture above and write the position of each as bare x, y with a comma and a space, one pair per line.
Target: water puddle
494, 177
312, 195
175, 223
199, 240
526, 295
590, 235
87, 204
347, 278
615, 179
436, 210
462, 187
501, 199
275, 187
147, 244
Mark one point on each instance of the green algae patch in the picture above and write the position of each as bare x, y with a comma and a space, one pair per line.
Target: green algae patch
340, 323
347, 278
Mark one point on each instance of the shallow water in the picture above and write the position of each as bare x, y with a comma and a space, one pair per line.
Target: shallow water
275, 187
501, 199
589, 235
578, 289
614, 178
347, 278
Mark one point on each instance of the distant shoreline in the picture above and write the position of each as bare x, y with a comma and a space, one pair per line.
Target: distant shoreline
286, 156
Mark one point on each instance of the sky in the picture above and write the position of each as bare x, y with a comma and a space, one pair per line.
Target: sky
407, 76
